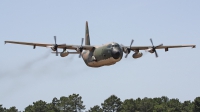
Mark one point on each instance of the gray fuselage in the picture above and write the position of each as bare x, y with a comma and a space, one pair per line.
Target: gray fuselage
103, 55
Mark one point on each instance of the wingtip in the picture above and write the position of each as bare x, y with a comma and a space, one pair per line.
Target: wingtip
194, 46
5, 42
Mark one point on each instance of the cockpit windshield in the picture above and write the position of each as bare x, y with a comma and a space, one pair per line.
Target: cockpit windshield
115, 45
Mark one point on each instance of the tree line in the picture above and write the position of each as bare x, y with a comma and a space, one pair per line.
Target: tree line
74, 103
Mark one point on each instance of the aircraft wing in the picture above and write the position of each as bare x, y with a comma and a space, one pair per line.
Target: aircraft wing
61, 46
159, 47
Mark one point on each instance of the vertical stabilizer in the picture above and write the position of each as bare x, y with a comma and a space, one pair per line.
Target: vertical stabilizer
87, 36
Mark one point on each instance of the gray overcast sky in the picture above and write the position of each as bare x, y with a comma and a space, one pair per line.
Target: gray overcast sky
28, 75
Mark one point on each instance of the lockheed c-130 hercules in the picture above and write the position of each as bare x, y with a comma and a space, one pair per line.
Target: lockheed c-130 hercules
103, 55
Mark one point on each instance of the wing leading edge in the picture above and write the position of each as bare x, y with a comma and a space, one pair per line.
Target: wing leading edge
89, 47
160, 47
60, 46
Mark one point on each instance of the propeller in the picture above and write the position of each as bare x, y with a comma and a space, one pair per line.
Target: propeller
128, 50
56, 46
81, 48
154, 47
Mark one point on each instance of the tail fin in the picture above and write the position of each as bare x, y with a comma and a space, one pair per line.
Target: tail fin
87, 36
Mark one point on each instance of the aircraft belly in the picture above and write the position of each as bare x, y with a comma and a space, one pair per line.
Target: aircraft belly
107, 62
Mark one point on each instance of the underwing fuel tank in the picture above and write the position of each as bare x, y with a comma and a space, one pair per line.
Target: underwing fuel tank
137, 55
64, 54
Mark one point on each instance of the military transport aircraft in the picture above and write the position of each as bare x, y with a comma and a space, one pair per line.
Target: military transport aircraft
103, 55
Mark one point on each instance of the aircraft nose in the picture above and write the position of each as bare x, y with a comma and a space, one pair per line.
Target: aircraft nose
115, 54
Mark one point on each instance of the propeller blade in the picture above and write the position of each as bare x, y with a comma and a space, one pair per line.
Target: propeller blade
159, 45
154, 48
151, 42
56, 46
131, 43
80, 55
82, 41
56, 52
129, 49
126, 55
55, 39
81, 48
156, 54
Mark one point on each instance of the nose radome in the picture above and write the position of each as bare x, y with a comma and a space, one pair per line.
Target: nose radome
115, 54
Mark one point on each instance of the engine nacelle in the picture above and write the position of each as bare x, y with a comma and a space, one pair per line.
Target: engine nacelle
53, 49
150, 50
77, 49
64, 54
137, 55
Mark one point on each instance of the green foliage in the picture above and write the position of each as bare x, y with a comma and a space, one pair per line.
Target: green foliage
138, 101
2, 109
160, 104
187, 106
146, 105
29, 108
160, 108
112, 104
164, 99
41, 106
197, 104
77, 102
96, 108
38, 106
52, 108
65, 104
74, 103
12, 109
129, 105
55, 101
174, 105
